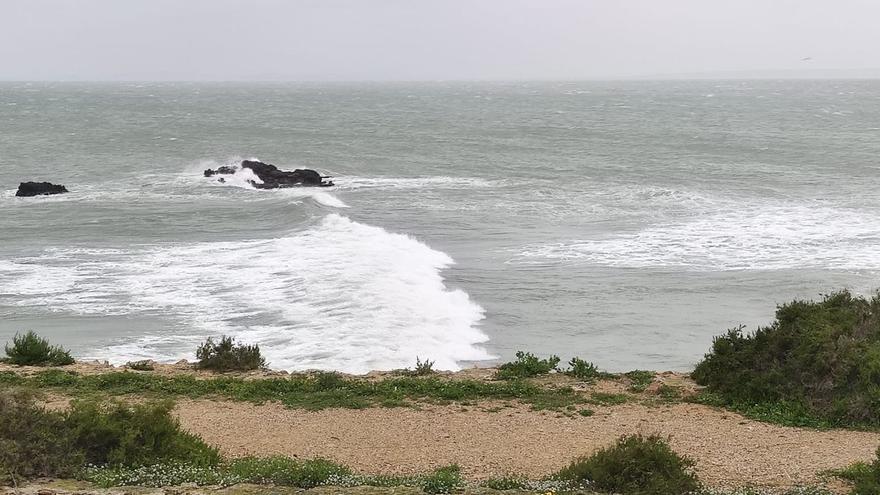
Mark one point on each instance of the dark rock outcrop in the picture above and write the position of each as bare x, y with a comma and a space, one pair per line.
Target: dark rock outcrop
39, 189
273, 178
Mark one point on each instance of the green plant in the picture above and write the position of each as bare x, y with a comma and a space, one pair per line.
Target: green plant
582, 370
32, 350
635, 465
865, 477
285, 471
526, 365
821, 360
136, 435
226, 355
507, 483
422, 368
608, 399
586, 412
145, 365
443, 480
639, 380
33, 441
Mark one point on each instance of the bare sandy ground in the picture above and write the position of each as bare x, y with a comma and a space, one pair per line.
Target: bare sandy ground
729, 450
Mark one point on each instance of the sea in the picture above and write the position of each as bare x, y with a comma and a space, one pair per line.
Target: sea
626, 223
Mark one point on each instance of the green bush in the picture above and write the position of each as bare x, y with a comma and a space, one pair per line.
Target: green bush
443, 480
526, 365
582, 370
865, 477
635, 465
33, 442
226, 355
32, 350
821, 359
134, 435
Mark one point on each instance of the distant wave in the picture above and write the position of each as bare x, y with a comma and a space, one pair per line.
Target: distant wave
340, 295
413, 182
767, 237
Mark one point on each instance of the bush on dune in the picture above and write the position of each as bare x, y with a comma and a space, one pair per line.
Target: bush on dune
865, 477
635, 465
35, 442
526, 365
140, 434
32, 350
226, 355
820, 359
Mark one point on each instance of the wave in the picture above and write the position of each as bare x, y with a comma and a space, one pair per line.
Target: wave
766, 238
340, 295
354, 182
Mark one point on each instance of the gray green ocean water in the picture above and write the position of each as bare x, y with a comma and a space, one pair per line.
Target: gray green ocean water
626, 223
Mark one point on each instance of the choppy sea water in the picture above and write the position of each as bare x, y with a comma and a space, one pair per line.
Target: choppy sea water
626, 223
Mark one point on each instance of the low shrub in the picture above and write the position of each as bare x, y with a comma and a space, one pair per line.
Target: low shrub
32, 350
526, 365
820, 359
134, 435
582, 370
33, 441
226, 355
443, 480
865, 477
635, 465
423, 368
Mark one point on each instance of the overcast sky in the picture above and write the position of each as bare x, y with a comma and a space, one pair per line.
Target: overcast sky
430, 39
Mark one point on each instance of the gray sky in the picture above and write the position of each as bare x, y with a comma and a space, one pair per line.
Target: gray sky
431, 39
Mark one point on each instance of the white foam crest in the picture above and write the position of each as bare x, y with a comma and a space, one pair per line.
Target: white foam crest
354, 182
772, 238
341, 295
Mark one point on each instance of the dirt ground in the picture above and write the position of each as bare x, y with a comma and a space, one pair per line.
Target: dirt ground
729, 450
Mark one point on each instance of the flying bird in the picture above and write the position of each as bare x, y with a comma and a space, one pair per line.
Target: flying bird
806, 59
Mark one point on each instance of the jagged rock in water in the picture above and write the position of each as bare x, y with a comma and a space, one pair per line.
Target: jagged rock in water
39, 189
273, 178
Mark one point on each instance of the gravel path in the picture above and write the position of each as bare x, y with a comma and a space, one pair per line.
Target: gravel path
730, 451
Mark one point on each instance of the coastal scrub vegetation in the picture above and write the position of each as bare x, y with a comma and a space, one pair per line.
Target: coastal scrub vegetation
37, 442
307, 391
226, 355
526, 365
817, 364
32, 350
635, 465
864, 477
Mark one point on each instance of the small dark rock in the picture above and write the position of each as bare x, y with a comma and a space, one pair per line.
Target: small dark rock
39, 189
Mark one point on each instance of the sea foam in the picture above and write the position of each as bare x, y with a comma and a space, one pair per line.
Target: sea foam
340, 295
